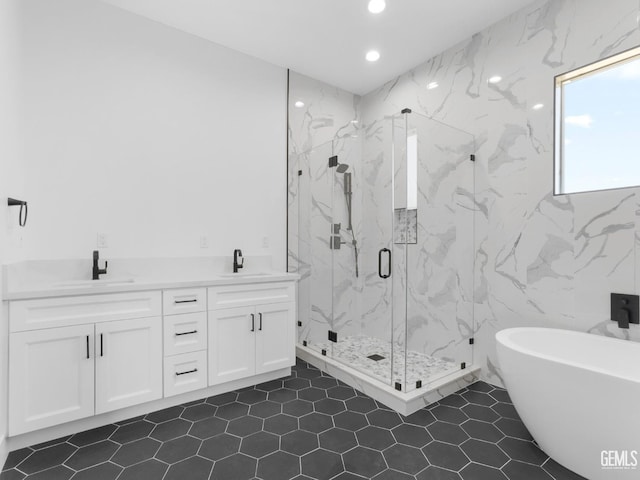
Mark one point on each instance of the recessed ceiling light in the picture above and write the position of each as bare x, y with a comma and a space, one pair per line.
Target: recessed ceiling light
495, 79
432, 85
377, 6
538, 106
299, 104
354, 121
372, 56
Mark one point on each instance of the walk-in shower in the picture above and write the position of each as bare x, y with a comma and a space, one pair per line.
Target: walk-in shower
381, 232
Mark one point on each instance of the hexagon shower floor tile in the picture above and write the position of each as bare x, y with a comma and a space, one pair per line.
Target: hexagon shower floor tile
306, 426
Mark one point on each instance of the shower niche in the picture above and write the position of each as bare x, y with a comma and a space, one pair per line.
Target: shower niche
381, 232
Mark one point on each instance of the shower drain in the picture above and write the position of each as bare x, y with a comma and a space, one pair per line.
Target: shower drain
376, 357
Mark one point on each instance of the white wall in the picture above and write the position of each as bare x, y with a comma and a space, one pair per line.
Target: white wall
149, 135
10, 170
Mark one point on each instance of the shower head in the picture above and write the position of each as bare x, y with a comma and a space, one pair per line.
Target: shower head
342, 167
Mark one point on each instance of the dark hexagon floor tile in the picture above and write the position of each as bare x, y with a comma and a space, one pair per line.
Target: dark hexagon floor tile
92, 436
523, 450
244, 426
129, 420
437, 473
337, 440
484, 452
104, 471
259, 444
297, 408
149, 470
346, 476
501, 395
405, 459
233, 410
136, 452
479, 412
282, 395
269, 386
299, 442
445, 455
482, 431
297, 383
324, 382
265, 409
132, 431
513, 428
393, 475
375, 437
559, 472
194, 468
59, 472
341, 393
237, 466
46, 458
350, 420
449, 414
330, 406
481, 387
361, 404
278, 466
207, 428
453, 400
506, 410
422, 418
280, 424
316, 422
411, 435
479, 398
12, 474
252, 396
223, 398
92, 455
199, 412
15, 457
178, 449
384, 418
312, 394
219, 447
165, 415
364, 461
50, 443
321, 464
518, 470
171, 429
474, 471
447, 432
308, 373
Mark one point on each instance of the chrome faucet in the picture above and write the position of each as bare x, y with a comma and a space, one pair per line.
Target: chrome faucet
97, 271
237, 255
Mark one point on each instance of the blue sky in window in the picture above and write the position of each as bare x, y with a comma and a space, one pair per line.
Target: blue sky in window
602, 129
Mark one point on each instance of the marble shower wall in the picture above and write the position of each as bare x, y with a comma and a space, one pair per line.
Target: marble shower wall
539, 259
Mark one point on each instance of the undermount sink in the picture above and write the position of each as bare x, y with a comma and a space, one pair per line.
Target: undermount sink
103, 282
243, 275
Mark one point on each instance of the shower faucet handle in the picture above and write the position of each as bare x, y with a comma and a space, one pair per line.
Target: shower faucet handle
336, 228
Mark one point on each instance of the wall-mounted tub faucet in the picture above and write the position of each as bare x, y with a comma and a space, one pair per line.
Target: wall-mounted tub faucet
624, 309
237, 255
97, 271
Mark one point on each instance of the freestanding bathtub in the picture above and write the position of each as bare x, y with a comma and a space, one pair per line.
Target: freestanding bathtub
579, 396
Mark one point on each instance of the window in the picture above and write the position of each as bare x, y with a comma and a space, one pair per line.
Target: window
598, 125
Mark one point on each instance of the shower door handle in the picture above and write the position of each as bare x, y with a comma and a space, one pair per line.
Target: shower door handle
380, 253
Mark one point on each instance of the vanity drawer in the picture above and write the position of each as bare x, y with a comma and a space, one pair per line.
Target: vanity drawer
253, 294
185, 373
185, 333
68, 311
184, 300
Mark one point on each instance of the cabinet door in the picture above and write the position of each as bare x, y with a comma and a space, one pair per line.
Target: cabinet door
51, 377
232, 344
275, 345
128, 363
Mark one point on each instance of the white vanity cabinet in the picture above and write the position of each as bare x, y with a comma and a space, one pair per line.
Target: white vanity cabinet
251, 330
70, 372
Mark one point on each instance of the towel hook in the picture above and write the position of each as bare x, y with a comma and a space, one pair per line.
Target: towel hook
22, 220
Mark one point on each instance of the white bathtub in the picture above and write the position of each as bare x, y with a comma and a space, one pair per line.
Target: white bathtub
579, 396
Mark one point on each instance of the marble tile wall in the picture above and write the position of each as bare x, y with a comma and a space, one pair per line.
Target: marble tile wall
538, 259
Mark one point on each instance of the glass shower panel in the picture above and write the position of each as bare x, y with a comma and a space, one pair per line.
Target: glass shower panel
315, 204
439, 275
